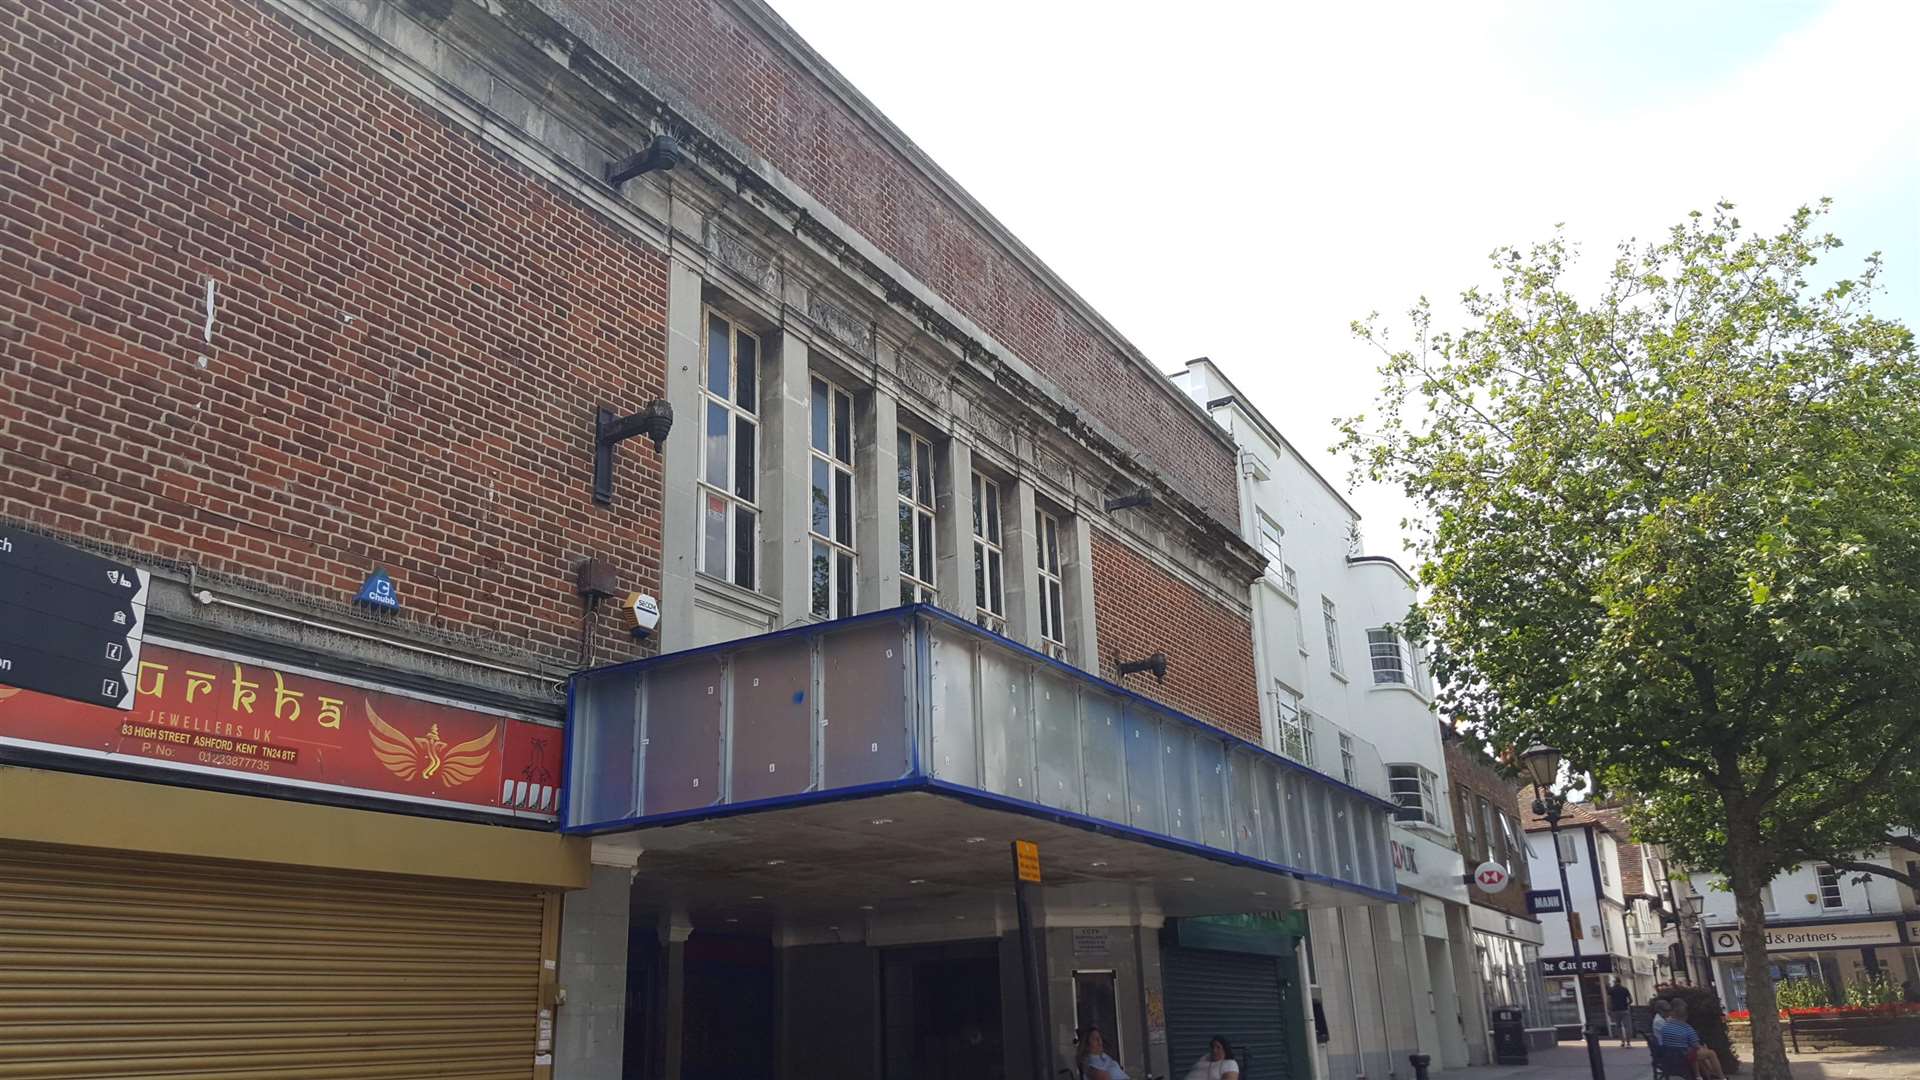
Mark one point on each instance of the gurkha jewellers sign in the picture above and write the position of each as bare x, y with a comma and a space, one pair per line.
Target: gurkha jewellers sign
219, 715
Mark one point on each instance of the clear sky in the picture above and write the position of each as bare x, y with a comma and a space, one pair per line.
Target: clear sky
1241, 180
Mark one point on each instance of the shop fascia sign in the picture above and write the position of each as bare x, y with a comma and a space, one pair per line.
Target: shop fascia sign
1809, 938
1567, 965
1423, 865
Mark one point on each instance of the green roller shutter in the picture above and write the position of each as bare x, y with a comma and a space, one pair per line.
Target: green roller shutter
1241, 997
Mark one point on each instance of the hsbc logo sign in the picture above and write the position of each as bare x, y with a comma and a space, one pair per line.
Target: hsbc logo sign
1491, 877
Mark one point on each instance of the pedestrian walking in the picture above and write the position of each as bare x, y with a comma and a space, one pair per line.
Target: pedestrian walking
1619, 1003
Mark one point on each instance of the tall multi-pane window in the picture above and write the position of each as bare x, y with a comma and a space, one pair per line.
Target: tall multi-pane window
916, 520
1290, 723
989, 559
1346, 758
1472, 850
729, 476
1388, 656
1830, 896
1053, 592
1270, 543
831, 520
1332, 620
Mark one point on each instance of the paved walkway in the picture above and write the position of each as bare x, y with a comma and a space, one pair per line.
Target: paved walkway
1569, 1062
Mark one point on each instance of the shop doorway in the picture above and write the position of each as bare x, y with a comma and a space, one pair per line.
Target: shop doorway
942, 1005
729, 1025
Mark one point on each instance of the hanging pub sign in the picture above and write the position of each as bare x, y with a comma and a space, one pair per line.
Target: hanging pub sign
219, 715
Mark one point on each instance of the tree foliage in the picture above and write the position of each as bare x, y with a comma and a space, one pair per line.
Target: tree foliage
1674, 530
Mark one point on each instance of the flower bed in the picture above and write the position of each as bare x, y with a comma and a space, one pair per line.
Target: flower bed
1896, 1009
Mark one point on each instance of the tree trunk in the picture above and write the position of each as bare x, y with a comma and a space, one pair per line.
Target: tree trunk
1746, 858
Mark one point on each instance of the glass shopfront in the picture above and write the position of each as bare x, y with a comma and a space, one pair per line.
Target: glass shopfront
1510, 975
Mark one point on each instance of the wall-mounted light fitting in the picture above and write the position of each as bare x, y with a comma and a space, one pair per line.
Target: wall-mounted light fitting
1157, 664
654, 422
1136, 497
660, 155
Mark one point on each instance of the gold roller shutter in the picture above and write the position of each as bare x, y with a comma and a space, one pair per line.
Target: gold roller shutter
122, 965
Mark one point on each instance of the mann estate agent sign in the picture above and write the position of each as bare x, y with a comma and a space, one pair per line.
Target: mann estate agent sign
1852, 935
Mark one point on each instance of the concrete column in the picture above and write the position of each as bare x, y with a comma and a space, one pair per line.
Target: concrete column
876, 485
590, 1028
784, 398
953, 527
680, 512
1146, 943
1076, 571
1022, 545
670, 1038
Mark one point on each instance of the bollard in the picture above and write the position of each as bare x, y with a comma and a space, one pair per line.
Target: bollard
1420, 1063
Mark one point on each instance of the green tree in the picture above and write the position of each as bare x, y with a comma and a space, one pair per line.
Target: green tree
1674, 530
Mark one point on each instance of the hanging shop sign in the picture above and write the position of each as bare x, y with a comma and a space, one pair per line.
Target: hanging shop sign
220, 715
71, 622
1808, 938
1490, 877
1567, 965
1545, 901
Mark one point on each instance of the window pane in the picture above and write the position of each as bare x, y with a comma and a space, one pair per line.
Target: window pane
843, 584
743, 545
907, 595
744, 465
749, 371
821, 505
996, 583
906, 539
1059, 622
843, 506
822, 567
843, 427
1053, 546
979, 508
719, 354
717, 464
923, 472
820, 415
980, 578
926, 547
904, 463
993, 511
714, 532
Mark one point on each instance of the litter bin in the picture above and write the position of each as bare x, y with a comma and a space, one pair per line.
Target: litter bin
1509, 1036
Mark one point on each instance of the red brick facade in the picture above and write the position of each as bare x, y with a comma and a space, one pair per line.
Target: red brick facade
409, 335
706, 53
1140, 609
1470, 773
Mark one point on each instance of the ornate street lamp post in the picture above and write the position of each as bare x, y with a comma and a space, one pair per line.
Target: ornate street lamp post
1543, 765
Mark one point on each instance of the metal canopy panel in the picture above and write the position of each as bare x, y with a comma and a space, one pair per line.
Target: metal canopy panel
933, 857
781, 727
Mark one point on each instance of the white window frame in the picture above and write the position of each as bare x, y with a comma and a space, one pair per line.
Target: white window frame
919, 551
1347, 762
1052, 586
833, 598
1290, 585
1267, 535
1387, 653
737, 495
1569, 852
1292, 724
1417, 793
1330, 617
1828, 879
989, 556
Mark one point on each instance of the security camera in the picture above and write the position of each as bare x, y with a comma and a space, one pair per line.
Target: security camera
643, 614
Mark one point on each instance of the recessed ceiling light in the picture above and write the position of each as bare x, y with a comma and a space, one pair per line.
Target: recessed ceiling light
776, 862
833, 928
1186, 879
917, 881
1097, 862
976, 839
733, 920
756, 897
1259, 892
866, 907
883, 821
960, 918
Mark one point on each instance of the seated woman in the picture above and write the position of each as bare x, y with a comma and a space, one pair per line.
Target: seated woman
1217, 1063
1095, 1062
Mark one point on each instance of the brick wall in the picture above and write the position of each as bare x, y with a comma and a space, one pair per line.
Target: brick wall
1468, 770
705, 53
409, 339
1140, 609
